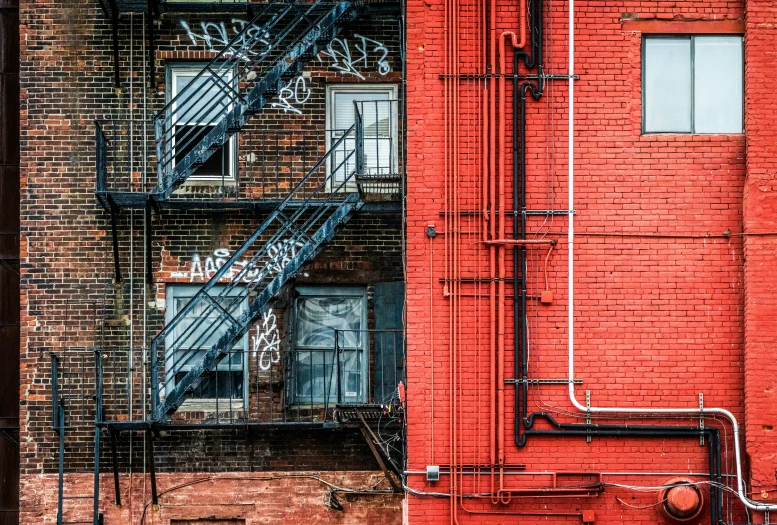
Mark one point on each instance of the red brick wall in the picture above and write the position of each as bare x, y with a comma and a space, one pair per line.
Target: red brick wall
760, 216
659, 277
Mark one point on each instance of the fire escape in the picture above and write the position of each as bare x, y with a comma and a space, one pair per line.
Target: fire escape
304, 187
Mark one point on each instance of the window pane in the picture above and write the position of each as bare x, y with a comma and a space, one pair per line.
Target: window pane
195, 334
667, 84
718, 84
319, 317
200, 101
345, 112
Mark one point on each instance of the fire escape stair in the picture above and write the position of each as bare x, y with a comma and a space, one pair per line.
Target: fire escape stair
206, 329
234, 86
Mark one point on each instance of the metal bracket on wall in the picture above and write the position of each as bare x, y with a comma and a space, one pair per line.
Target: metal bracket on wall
701, 419
152, 468
390, 469
766, 517
115, 237
542, 381
114, 460
588, 413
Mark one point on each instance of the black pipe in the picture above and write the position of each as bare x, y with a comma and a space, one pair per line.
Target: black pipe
711, 434
531, 60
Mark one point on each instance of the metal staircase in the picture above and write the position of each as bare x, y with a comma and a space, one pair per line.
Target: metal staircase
205, 331
218, 102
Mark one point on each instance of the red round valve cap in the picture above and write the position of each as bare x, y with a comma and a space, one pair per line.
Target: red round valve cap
683, 501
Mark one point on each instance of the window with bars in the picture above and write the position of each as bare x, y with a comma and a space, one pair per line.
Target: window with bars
317, 370
374, 103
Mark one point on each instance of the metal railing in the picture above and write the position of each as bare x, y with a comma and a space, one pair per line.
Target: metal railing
259, 166
124, 154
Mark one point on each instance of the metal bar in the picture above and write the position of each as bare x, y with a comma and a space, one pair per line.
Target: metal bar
98, 417
54, 391
99, 141
115, 462
542, 381
61, 433
387, 466
148, 235
115, 238
151, 467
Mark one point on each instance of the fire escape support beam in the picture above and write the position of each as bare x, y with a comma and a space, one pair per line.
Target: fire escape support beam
389, 468
98, 417
151, 43
149, 231
115, 462
115, 237
151, 467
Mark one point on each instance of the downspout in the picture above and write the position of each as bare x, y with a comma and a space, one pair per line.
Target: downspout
531, 60
747, 502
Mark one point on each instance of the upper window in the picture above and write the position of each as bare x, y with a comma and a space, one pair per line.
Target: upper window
200, 103
692, 84
374, 103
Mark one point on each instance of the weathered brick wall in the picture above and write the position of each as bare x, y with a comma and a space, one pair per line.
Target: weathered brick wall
70, 302
254, 498
659, 283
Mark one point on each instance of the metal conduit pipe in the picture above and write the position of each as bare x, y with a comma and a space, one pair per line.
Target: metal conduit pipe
647, 431
531, 60
695, 411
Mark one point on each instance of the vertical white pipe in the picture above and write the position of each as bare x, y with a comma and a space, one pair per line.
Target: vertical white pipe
571, 317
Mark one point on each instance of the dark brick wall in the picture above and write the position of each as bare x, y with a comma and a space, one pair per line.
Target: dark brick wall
70, 302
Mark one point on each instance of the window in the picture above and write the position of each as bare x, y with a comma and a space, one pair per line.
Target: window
692, 84
316, 376
228, 383
202, 103
377, 106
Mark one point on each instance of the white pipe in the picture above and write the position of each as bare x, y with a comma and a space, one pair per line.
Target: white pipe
750, 504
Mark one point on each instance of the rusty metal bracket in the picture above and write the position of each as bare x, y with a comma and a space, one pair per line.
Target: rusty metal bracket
701, 419
388, 466
588, 413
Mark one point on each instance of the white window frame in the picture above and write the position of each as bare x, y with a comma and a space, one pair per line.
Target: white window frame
692, 128
331, 93
182, 291
364, 347
175, 71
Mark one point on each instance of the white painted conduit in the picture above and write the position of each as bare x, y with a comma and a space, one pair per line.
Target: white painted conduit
750, 504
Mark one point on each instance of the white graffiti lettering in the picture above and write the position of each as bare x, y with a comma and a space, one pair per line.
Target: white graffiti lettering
277, 257
295, 93
346, 61
267, 344
215, 36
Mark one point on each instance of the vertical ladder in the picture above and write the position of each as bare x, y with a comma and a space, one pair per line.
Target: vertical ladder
73, 400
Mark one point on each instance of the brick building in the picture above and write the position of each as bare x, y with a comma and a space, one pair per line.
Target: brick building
330, 262
193, 167
582, 336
